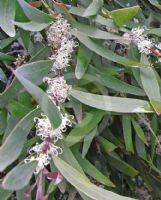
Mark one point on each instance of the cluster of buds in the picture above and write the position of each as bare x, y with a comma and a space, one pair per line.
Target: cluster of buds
144, 44
60, 40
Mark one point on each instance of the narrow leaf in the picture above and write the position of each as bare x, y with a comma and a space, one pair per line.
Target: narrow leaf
12, 147
19, 176
114, 104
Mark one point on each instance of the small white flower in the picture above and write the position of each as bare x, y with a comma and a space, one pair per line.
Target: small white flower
143, 43
63, 55
58, 89
58, 31
42, 159
44, 129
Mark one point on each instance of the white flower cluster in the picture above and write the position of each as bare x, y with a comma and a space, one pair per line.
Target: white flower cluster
58, 89
143, 43
49, 136
60, 39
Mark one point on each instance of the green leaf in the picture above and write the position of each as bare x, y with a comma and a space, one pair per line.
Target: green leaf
5, 57
124, 15
17, 109
127, 131
139, 131
149, 82
155, 3
83, 59
11, 148
84, 127
5, 42
104, 52
93, 32
19, 176
3, 120
31, 71
106, 145
121, 166
110, 81
114, 104
83, 185
92, 171
5, 194
140, 147
34, 14
40, 54
2, 76
154, 31
7, 15
40, 68
46, 104
87, 141
31, 26
25, 37
93, 8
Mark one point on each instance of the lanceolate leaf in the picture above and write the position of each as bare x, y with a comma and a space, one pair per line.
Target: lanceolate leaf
104, 52
34, 14
32, 26
83, 128
124, 15
92, 171
94, 32
13, 145
149, 81
82, 184
43, 100
30, 71
115, 104
7, 15
127, 131
83, 60
93, 8
19, 176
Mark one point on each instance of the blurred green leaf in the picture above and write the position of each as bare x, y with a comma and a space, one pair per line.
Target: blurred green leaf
124, 15
93, 32
93, 8
17, 109
92, 171
139, 131
5, 194
121, 165
104, 52
84, 127
34, 14
83, 184
46, 104
140, 147
11, 148
31, 26
5, 57
87, 141
7, 15
127, 131
19, 176
83, 60
106, 145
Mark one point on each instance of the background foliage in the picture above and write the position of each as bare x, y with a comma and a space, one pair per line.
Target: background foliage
115, 99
